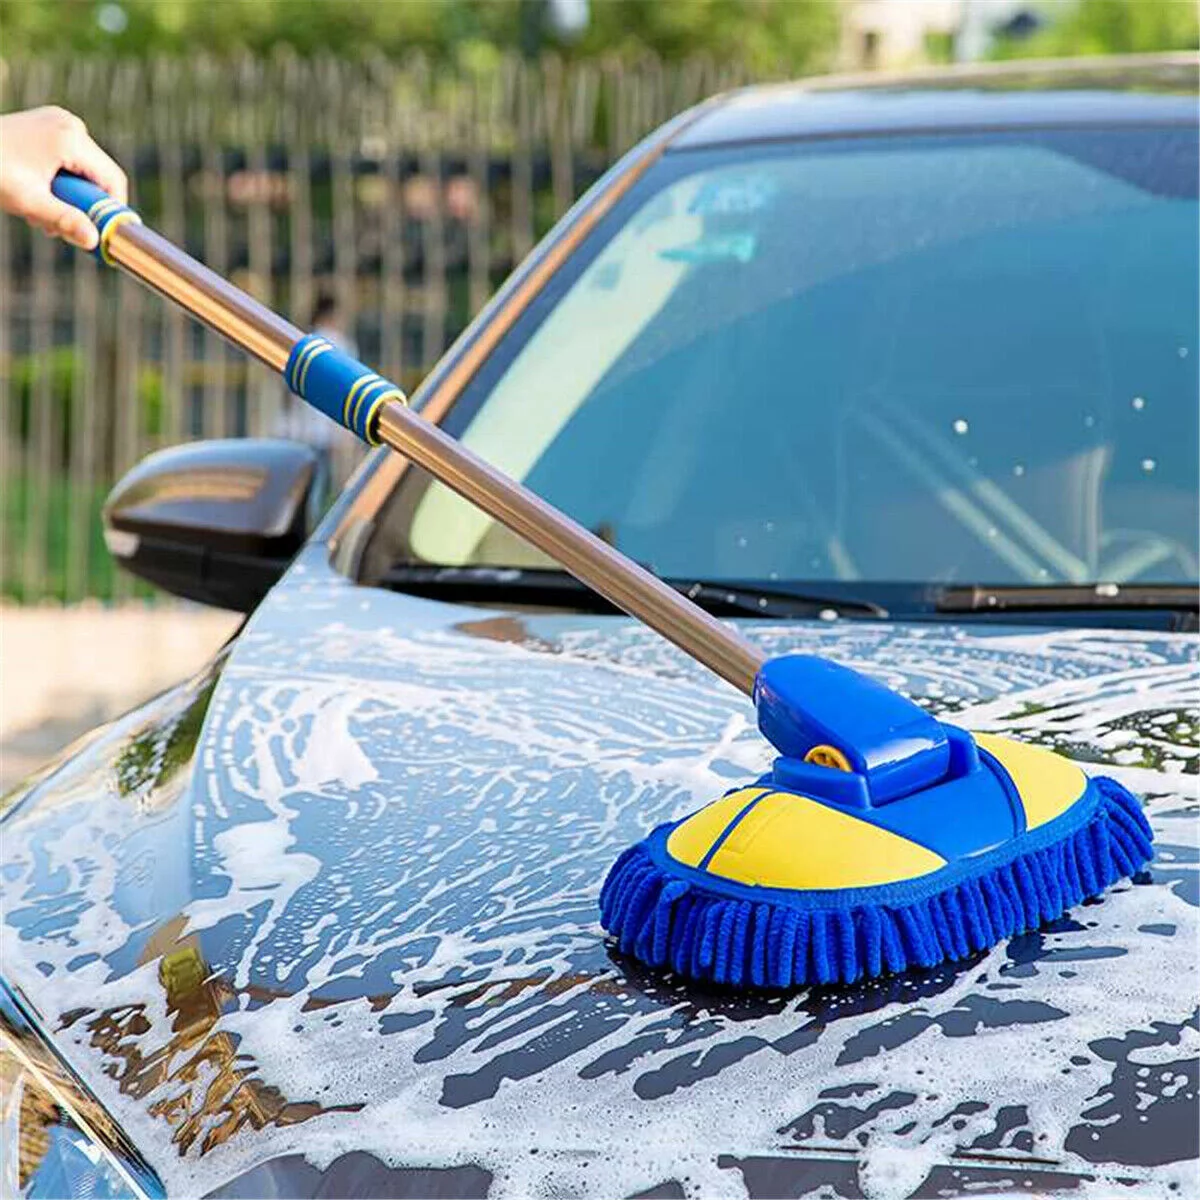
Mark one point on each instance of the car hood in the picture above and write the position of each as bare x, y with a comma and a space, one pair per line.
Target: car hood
332, 907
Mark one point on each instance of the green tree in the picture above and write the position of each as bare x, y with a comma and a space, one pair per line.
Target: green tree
795, 35
1108, 27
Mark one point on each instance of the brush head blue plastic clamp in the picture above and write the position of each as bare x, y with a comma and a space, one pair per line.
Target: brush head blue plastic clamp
850, 739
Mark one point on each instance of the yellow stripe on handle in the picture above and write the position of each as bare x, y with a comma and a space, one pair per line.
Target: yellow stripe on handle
318, 347
124, 217
360, 386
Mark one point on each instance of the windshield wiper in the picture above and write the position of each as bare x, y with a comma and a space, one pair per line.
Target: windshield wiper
1066, 597
557, 588
730, 599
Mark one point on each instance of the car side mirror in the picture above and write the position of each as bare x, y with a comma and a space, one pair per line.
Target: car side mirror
215, 521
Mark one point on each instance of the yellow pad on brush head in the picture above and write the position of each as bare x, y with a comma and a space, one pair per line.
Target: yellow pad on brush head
782, 840
764, 837
1047, 783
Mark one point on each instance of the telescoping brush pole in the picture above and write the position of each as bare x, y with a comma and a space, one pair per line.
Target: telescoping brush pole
881, 839
377, 411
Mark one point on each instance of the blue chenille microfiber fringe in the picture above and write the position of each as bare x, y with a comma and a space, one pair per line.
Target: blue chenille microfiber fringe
670, 920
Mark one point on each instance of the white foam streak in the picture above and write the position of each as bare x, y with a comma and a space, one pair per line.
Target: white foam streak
491, 910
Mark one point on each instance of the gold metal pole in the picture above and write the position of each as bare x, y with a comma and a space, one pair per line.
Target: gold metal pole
267, 336
215, 301
617, 578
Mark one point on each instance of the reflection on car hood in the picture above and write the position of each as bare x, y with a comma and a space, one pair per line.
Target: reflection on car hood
338, 899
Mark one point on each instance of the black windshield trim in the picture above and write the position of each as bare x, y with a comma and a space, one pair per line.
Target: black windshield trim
1063, 597
1142, 606
551, 586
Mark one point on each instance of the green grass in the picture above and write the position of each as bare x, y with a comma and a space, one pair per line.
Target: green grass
63, 501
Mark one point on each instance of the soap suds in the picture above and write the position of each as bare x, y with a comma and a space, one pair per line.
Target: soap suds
394, 856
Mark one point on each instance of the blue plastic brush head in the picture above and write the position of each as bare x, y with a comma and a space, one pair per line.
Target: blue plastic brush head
881, 839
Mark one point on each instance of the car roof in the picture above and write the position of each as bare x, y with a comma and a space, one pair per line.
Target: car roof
1105, 92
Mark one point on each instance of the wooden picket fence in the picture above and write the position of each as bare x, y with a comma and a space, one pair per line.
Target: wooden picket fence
404, 191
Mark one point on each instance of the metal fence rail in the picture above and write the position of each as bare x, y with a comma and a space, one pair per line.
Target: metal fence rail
404, 192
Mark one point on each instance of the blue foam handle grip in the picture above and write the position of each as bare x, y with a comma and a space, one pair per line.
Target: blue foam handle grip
76, 191
338, 385
95, 203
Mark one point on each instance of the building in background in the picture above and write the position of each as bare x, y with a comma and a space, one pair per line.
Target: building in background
892, 35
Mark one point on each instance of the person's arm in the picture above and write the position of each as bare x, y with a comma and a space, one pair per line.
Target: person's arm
34, 146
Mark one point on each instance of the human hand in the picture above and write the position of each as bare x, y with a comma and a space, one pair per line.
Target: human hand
34, 146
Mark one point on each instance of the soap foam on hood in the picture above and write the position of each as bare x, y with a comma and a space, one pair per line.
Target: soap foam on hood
405, 833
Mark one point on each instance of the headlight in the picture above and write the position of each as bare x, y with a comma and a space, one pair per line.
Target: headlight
56, 1140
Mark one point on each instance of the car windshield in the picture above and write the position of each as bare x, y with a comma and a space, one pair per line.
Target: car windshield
941, 359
